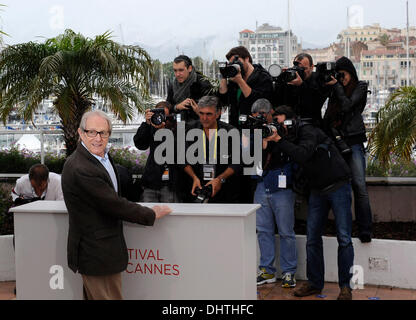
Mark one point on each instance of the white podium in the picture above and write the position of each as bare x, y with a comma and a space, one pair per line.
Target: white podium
197, 252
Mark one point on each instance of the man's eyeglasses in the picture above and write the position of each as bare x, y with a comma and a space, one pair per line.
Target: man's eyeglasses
93, 133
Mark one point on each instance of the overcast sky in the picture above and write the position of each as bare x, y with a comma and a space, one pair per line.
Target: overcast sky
182, 22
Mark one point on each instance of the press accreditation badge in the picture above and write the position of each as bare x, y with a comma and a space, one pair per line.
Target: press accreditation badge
165, 176
282, 181
209, 171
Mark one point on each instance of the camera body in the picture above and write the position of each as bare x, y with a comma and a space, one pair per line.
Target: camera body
159, 116
203, 195
260, 122
290, 74
232, 68
326, 70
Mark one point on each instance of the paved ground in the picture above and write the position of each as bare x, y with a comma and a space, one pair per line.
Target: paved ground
274, 291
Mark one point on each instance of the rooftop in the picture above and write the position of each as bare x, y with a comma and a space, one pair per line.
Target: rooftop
246, 31
384, 51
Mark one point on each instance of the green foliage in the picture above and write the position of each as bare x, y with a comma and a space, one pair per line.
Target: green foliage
6, 218
394, 136
129, 158
384, 39
398, 168
15, 161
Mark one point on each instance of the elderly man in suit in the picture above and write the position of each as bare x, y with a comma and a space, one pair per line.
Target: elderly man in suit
91, 187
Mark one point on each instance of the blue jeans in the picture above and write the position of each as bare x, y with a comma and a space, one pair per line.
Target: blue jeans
276, 207
363, 215
319, 205
164, 195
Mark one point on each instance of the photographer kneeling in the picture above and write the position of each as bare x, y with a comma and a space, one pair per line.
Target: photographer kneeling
39, 184
329, 178
274, 193
344, 123
159, 180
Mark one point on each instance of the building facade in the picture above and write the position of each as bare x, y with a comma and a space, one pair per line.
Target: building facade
386, 69
270, 45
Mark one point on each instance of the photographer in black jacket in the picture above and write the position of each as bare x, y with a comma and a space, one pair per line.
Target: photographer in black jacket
343, 121
329, 177
252, 82
187, 88
306, 96
158, 180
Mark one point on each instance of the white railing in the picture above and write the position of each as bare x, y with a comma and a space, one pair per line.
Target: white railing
42, 132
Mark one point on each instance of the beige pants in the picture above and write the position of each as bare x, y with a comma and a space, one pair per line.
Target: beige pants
106, 287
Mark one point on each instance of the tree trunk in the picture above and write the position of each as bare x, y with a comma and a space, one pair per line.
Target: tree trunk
71, 124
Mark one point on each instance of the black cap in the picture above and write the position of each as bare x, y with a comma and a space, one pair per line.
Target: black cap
344, 63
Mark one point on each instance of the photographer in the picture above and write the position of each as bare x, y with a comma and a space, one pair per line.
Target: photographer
343, 121
159, 180
329, 178
306, 94
39, 184
252, 82
213, 181
274, 193
188, 87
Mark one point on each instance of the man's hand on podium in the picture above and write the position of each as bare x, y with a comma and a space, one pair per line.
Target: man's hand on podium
161, 211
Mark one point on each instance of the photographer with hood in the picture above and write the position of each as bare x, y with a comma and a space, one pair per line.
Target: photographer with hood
343, 120
329, 179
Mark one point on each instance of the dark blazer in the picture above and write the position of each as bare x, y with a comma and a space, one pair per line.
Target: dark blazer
96, 244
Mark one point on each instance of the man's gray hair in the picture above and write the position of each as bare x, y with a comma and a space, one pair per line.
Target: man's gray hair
208, 101
261, 105
99, 113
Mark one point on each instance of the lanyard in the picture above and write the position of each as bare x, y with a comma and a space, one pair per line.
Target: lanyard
215, 145
239, 92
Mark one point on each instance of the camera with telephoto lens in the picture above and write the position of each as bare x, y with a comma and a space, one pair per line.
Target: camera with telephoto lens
326, 70
260, 122
254, 122
340, 143
290, 74
281, 77
203, 195
232, 68
283, 129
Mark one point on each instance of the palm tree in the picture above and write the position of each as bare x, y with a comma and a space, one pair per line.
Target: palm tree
72, 69
395, 133
384, 39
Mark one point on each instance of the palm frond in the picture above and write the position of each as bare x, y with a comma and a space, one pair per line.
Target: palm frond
395, 133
